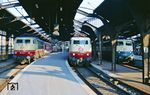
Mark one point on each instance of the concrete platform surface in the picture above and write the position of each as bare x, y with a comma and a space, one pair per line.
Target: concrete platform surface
48, 76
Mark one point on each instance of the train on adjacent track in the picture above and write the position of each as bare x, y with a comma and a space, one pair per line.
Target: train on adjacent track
124, 51
80, 51
28, 48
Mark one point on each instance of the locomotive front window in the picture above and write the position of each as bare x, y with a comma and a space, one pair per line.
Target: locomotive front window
119, 43
27, 41
83, 42
80, 42
128, 43
76, 42
19, 41
34, 41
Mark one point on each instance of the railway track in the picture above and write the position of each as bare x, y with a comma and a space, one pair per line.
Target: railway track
7, 67
102, 84
8, 73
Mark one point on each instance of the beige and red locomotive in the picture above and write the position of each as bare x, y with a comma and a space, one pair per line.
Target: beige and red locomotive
30, 48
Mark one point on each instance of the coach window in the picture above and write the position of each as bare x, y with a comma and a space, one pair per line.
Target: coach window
0, 44
19, 41
3, 43
27, 41
10, 48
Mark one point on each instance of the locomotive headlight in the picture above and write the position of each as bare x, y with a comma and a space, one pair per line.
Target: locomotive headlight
118, 51
87, 54
132, 57
15, 52
73, 54
120, 57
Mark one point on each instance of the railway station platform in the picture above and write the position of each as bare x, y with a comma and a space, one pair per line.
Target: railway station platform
50, 75
129, 76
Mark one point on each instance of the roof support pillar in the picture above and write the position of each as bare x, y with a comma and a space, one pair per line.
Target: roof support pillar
8, 34
144, 27
142, 19
100, 48
0, 46
146, 57
94, 53
7, 45
113, 35
113, 65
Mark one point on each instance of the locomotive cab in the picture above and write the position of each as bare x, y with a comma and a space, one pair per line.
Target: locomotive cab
30, 48
80, 51
124, 51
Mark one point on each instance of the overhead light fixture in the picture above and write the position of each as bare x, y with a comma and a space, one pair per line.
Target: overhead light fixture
64, 25
42, 17
44, 33
37, 6
61, 19
33, 18
61, 8
17, 31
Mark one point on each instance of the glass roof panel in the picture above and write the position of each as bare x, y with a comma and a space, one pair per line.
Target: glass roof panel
6, 2
35, 26
88, 6
14, 12
25, 21
95, 22
18, 11
21, 10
